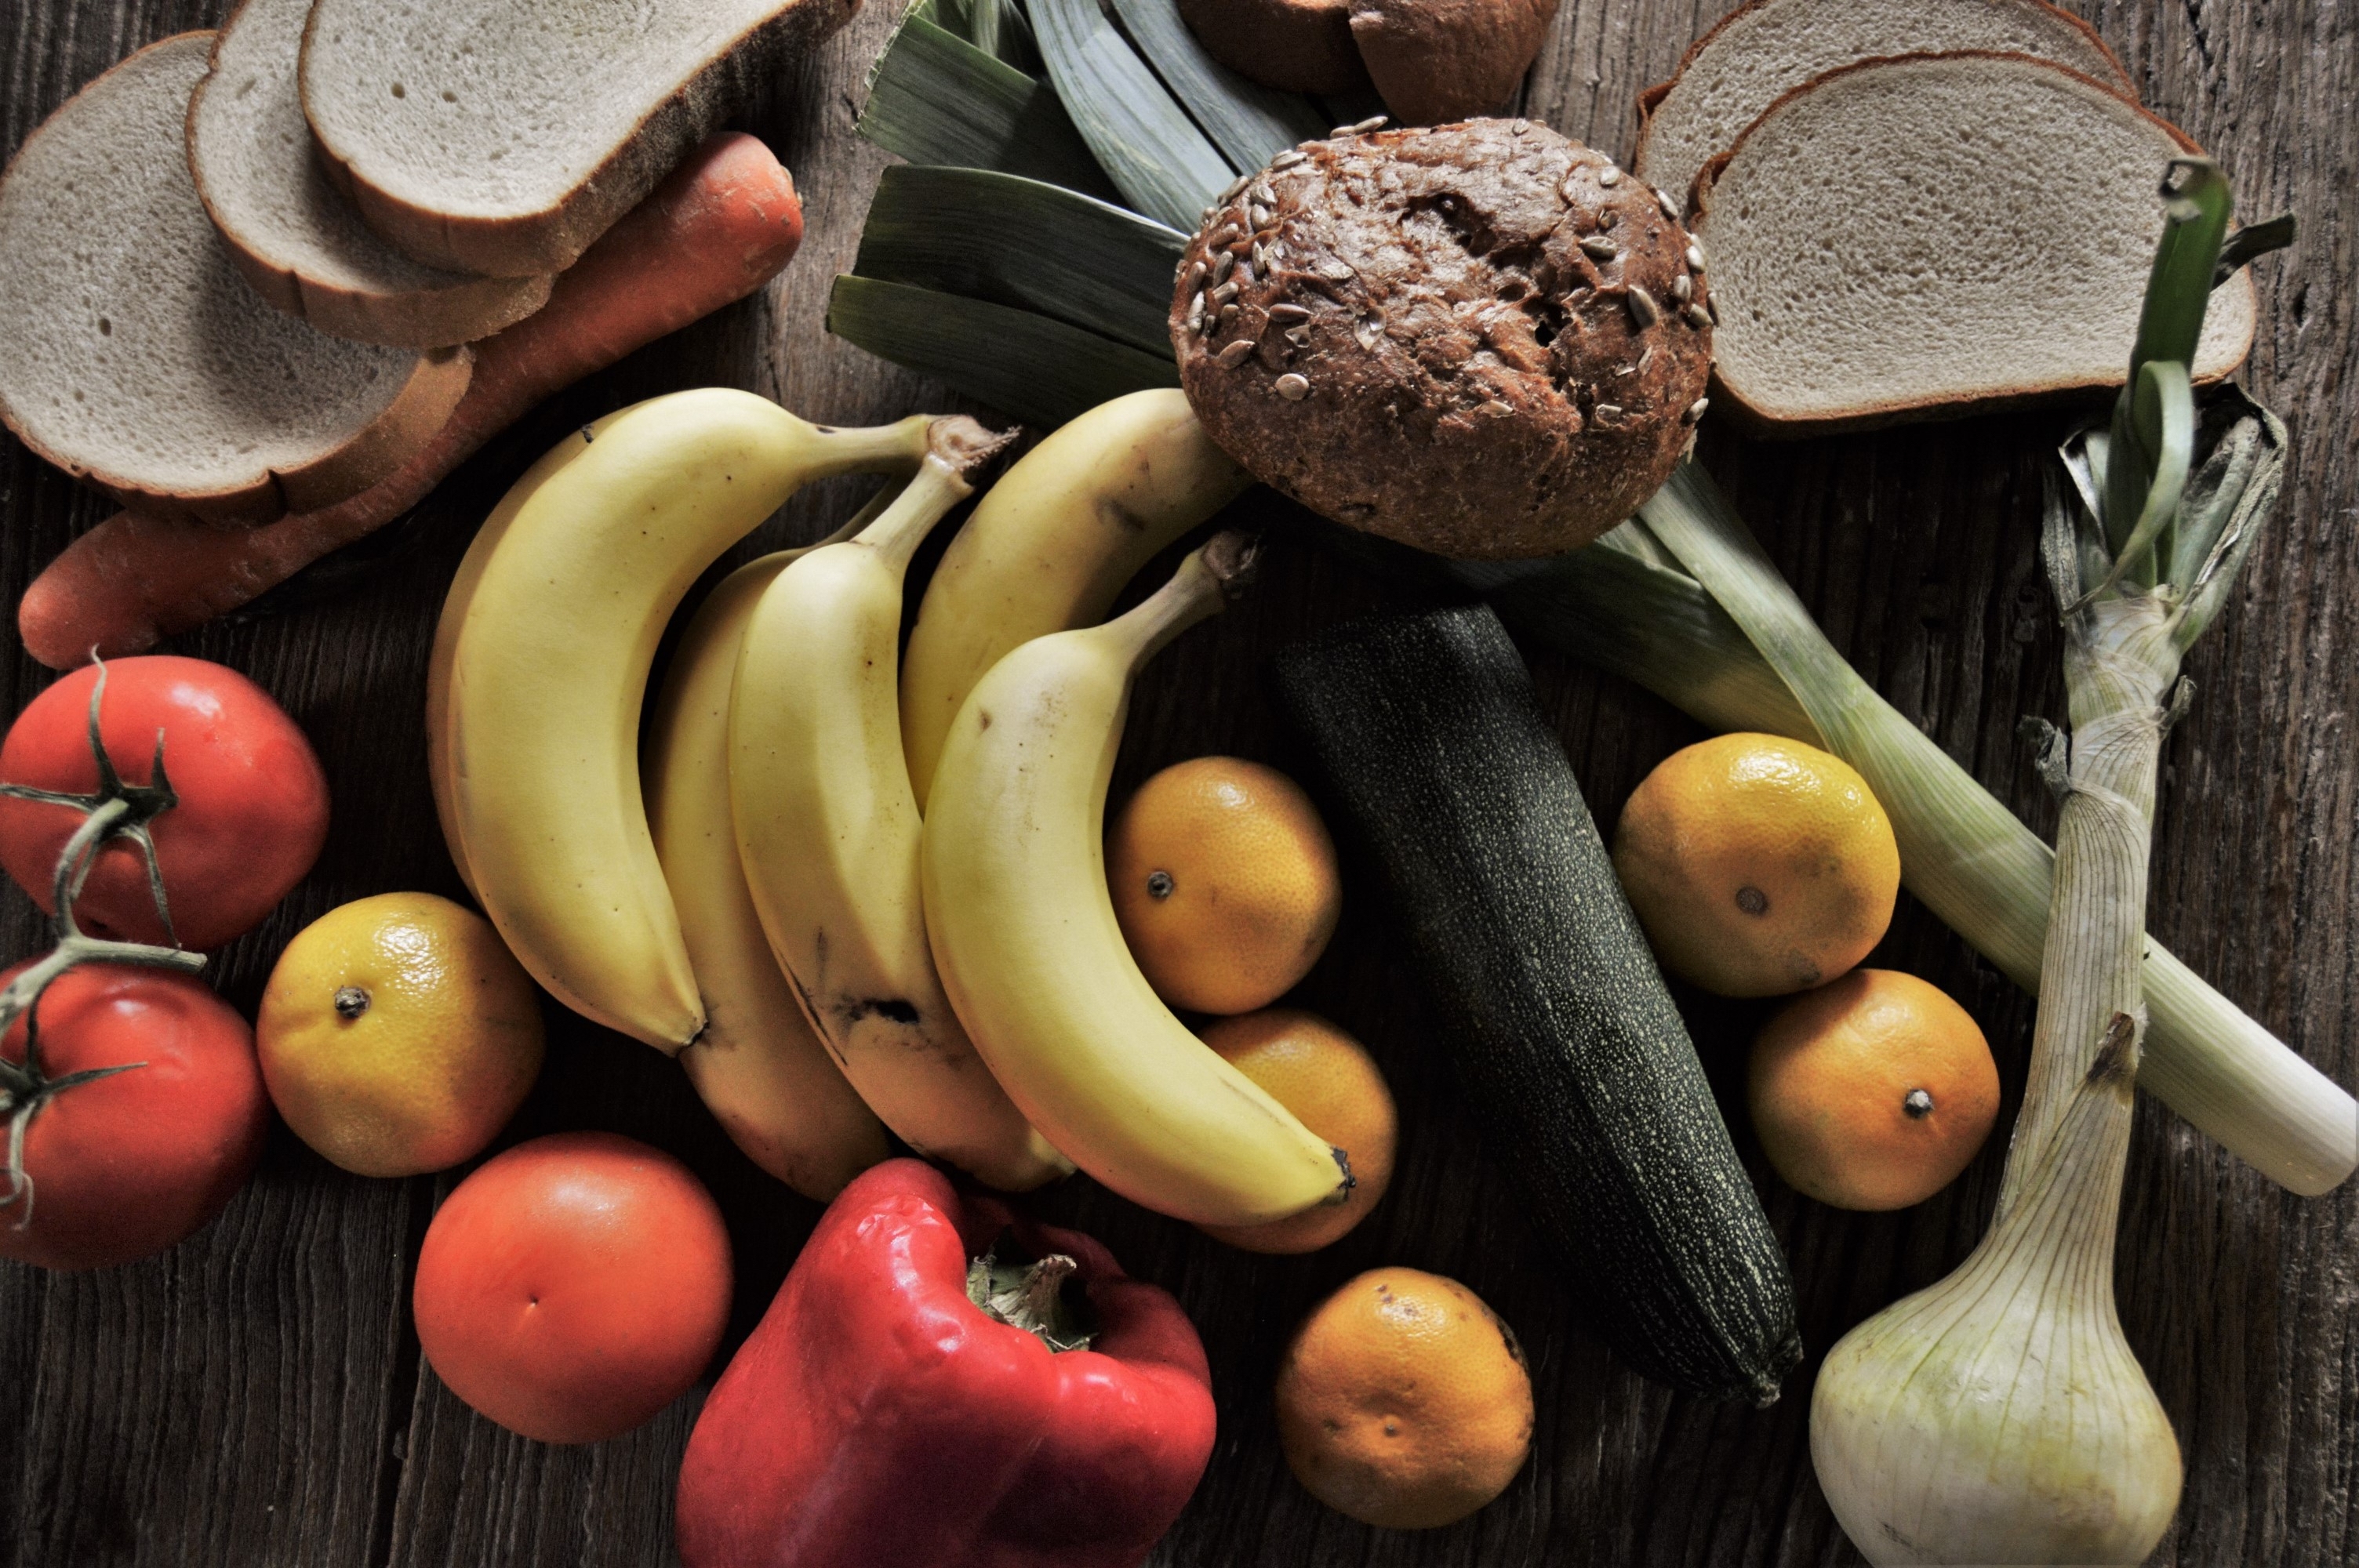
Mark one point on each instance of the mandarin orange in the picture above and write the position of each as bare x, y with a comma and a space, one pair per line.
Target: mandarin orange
1223, 880
1334, 1087
1404, 1401
1873, 1092
1758, 865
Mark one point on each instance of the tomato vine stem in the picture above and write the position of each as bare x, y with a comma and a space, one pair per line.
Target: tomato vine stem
116, 809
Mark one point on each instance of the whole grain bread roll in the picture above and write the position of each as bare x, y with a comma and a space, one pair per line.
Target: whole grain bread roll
1483, 338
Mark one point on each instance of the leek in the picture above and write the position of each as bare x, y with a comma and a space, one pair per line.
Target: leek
1042, 372
1251, 123
1163, 164
976, 232
935, 98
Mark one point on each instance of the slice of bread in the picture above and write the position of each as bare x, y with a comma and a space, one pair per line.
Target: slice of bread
135, 355
1765, 49
1933, 234
502, 136
298, 241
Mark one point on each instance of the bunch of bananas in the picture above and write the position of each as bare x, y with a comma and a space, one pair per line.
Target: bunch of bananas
766, 900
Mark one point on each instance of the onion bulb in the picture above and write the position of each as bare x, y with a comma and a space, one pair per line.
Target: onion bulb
1999, 1416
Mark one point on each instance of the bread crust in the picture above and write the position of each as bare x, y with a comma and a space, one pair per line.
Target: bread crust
1439, 60
468, 308
549, 240
1443, 340
420, 409
1651, 98
1297, 45
436, 382
1877, 415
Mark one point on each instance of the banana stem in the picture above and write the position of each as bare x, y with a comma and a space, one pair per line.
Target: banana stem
1212, 575
957, 449
870, 448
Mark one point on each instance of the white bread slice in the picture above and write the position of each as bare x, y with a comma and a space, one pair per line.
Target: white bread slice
1765, 49
1934, 234
502, 136
298, 240
135, 357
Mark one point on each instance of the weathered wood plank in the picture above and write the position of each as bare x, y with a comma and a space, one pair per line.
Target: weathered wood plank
255, 1397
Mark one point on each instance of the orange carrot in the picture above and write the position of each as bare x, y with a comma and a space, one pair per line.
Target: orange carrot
720, 226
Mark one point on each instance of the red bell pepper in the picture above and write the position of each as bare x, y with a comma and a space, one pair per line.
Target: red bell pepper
878, 1417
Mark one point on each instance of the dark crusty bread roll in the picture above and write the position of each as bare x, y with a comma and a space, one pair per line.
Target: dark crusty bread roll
1300, 46
1484, 340
1437, 61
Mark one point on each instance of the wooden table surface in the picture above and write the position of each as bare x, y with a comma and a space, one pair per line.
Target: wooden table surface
256, 1396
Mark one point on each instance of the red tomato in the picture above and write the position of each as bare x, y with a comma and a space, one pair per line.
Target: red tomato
127, 1164
253, 807
574, 1286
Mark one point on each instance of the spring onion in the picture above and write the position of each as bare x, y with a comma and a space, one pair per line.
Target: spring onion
1999, 1416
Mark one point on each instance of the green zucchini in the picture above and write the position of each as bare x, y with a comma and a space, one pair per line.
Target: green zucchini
1432, 745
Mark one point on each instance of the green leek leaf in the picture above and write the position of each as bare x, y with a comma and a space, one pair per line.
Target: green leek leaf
935, 98
1251, 123
1012, 241
1041, 370
1160, 161
997, 28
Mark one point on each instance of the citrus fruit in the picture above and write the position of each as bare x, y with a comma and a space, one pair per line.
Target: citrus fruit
1758, 865
1223, 878
398, 1035
1404, 1401
574, 1286
1332, 1086
1873, 1092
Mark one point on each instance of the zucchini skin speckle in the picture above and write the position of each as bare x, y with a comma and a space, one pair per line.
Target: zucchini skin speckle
1432, 750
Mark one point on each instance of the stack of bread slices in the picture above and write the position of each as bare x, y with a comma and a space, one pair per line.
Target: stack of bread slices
242, 268
1914, 209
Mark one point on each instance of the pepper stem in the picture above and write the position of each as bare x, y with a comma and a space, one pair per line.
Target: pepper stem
1029, 1296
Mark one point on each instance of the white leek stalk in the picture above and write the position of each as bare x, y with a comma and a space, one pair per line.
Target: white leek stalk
1999, 1416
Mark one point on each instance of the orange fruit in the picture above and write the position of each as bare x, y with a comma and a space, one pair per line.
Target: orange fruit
1223, 878
1873, 1092
398, 1035
1758, 865
1331, 1084
1404, 1401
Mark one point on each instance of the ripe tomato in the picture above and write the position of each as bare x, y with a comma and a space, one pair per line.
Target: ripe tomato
253, 807
124, 1165
574, 1286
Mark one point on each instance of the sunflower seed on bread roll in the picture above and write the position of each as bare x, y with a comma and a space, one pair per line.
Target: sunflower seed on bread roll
298, 241
1475, 339
1765, 49
502, 136
136, 357
1932, 235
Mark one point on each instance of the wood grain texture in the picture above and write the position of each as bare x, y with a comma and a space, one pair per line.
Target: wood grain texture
255, 1397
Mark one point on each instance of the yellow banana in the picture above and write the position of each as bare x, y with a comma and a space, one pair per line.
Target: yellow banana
1051, 545
828, 833
1024, 935
551, 629
454, 614
766, 1077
